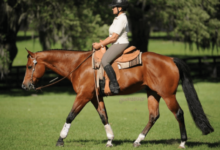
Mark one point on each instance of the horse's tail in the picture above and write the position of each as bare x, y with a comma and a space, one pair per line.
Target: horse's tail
194, 104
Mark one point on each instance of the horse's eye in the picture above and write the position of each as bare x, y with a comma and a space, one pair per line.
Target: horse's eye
29, 67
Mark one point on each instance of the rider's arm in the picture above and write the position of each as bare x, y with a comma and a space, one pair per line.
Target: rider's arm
107, 41
110, 40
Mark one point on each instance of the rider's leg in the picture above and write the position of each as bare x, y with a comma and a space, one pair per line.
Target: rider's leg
110, 55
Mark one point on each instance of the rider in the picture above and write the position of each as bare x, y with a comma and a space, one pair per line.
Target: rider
119, 39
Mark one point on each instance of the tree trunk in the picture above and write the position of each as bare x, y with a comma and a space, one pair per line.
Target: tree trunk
9, 41
140, 29
10, 22
45, 43
11, 47
140, 35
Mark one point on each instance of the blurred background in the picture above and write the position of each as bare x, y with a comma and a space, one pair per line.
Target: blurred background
186, 29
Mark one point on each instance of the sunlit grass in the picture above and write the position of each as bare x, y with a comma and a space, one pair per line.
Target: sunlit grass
178, 48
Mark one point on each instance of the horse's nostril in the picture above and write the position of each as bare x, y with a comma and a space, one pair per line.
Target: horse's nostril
23, 86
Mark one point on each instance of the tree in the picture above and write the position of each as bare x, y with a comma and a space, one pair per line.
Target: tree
70, 22
12, 15
76, 24
190, 21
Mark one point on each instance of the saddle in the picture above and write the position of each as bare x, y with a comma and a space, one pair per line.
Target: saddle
130, 58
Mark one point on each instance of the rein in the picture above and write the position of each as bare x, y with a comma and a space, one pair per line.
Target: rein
41, 87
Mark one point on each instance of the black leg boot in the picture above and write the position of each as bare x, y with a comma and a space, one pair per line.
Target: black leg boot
114, 87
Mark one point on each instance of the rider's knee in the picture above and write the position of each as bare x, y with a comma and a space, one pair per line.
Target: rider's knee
104, 63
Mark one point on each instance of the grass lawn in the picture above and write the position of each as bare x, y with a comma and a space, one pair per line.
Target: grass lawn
31, 120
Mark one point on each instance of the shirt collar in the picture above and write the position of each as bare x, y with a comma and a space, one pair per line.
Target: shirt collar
120, 16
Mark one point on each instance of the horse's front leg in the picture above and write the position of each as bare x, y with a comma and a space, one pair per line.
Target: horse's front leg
100, 107
78, 105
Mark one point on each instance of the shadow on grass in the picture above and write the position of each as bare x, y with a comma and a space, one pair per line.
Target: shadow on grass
188, 144
69, 90
21, 92
153, 142
56, 90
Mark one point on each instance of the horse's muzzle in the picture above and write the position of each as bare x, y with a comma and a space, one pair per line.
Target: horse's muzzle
23, 87
29, 86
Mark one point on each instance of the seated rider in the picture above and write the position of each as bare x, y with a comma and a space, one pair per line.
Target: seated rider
119, 39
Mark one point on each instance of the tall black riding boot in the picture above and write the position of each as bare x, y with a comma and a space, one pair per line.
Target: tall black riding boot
114, 87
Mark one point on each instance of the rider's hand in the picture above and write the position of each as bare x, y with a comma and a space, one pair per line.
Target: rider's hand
96, 45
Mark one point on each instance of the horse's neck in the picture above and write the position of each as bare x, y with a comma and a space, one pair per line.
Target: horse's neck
60, 61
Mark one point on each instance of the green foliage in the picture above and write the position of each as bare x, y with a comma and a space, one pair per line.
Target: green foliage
192, 21
71, 23
77, 24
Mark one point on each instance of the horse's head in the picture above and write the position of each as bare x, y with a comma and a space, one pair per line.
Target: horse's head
35, 69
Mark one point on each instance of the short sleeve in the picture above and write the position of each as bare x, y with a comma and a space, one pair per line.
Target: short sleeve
119, 26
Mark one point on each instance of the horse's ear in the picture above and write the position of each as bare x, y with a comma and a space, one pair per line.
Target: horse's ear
30, 53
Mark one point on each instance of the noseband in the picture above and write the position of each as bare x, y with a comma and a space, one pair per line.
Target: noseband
35, 62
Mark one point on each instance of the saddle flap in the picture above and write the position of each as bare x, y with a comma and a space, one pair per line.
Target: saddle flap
99, 54
128, 56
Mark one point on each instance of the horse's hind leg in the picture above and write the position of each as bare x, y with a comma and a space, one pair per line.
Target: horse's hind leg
153, 107
100, 107
178, 113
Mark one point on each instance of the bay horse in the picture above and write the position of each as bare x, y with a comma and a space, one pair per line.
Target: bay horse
158, 75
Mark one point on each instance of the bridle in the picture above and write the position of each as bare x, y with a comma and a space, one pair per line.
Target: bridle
32, 74
39, 88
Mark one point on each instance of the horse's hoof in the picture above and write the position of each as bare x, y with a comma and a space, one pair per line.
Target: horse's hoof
60, 144
136, 144
180, 147
109, 145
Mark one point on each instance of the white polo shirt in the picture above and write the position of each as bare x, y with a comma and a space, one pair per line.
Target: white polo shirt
120, 26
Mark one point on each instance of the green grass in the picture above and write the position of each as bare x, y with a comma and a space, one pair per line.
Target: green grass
158, 46
178, 49
34, 120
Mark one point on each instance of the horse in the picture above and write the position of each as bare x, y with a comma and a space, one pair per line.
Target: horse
158, 75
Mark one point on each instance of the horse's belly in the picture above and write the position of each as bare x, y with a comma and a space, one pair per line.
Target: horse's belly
131, 80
